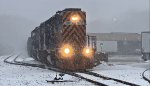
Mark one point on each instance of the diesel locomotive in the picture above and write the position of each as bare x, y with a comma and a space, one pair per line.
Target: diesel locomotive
61, 41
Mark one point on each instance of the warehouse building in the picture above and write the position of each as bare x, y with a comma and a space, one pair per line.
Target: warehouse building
118, 43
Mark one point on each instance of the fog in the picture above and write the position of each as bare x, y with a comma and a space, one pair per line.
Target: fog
14, 33
19, 17
132, 22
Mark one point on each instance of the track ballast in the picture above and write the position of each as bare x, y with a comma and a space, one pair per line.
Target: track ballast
71, 73
51, 68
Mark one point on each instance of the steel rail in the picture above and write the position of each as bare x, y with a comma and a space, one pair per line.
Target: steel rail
145, 78
53, 69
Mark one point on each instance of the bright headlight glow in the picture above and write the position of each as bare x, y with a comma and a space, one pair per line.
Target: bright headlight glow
88, 52
75, 18
66, 51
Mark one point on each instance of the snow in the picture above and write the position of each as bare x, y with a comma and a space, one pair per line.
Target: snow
27, 59
17, 75
126, 69
119, 67
125, 73
148, 61
107, 82
12, 58
147, 74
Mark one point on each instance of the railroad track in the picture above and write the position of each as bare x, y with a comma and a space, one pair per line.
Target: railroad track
94, 78
51, 68
144, 77
108, 78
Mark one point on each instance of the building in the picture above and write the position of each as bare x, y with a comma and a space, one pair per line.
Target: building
118, 43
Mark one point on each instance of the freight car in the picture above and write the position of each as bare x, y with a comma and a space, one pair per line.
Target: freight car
145, 45
61, 41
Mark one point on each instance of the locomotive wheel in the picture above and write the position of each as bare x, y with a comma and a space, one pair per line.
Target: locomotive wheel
43, 56
37, 56
50, 60
34, 55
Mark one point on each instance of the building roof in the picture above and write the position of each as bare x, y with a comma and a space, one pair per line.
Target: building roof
116, 36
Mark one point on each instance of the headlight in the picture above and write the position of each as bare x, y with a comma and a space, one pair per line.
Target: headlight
88, 52
66, 51
75, 18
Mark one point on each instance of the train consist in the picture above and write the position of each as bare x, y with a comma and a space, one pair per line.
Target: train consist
61, 41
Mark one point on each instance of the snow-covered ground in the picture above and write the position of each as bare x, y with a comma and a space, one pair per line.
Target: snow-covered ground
122, 72
147, 74
127, 68
15, 75
106, 82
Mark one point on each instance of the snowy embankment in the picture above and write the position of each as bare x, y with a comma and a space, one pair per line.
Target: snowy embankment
128, 72
16, 75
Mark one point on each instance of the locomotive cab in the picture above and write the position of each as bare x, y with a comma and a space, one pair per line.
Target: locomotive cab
61, 41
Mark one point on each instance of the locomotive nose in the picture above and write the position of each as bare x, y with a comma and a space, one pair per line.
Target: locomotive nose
69, 52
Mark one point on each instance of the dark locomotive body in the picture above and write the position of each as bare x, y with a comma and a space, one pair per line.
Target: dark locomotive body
61, 41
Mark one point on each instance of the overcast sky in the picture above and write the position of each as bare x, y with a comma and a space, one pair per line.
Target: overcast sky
19, 17
102, 15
